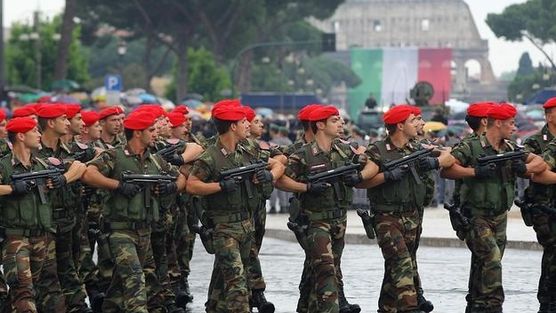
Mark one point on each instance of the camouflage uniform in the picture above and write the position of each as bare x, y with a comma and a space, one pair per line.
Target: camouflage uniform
398, 218
127, 223
66, 206
30, 260
327, 215
543, 143
485, 202
5, 148
233, 230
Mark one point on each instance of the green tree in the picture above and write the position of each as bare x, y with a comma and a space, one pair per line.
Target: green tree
205, 76
525, 65
532, 20
25, 49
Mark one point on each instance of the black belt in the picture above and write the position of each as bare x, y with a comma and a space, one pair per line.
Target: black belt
126, 225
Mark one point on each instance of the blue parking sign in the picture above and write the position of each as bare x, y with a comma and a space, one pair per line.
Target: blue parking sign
113, 82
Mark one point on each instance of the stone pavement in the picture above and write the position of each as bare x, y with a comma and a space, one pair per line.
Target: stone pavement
437, 230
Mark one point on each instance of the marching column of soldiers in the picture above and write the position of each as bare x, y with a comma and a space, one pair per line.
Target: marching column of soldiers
136, 190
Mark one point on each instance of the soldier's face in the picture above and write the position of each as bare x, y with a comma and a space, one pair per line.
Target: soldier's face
76, 124
188, 123
32, 138
507, 128
3, 132
333, 126
410, 126
94, 131
148, 136
163, 127
61, 125
241, 129
112, 125
257, 127
420, 125
179, 132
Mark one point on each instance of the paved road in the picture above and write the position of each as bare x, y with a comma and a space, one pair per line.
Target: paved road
443, 271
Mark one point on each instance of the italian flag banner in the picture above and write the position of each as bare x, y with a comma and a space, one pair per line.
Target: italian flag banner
389, 74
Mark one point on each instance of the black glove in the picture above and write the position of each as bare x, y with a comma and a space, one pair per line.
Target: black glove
228, 185
429, 163
395, 174
87, 191
174, 159
167, 188
264, 176
352, 179
21, 187
58, 181
85, 155
519, 167
485, 171
317, 188
128, 190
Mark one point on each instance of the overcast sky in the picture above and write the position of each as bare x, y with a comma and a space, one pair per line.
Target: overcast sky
504, 56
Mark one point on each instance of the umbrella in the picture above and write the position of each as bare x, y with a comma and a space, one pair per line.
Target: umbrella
64, 84
434, 126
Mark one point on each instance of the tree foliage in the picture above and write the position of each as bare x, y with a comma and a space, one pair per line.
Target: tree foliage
525, 65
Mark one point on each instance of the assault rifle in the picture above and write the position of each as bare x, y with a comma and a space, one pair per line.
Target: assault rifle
502, 157
410, 161
367, 217
38, 180
171, 149
206, 228
528, 209
333, 176
244, 174
147, 182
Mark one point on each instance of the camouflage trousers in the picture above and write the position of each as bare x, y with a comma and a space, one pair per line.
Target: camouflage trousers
30, 267
255, 273
67, 256
160, 282
228, 290
325, 244
134, 286
96, 277
416, 277
397, 238
180, 247
487, 240
545, 227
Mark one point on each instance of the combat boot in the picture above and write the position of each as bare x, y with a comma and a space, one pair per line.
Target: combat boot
424, 304
173, 308
345, 306
544, 308
183, 296
258, 300
184, 286
96, 301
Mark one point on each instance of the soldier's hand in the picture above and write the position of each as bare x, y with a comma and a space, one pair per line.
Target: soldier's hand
317, 188
485, 171
128, 190
228, 185
264, 176
57, 181
429, 163
21, 187
395, 174
174, 159
519, 167
167, 188
352, 179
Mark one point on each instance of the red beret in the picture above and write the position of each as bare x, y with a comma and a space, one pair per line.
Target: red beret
72, 110
139, 120
550, 103
323, 112
106, 112
249, 113
44, 99
502, 111
2, 114
181, 109
415, 110
52, 111
303, 114
34, 106
156, 110
229, 102
90, 117
24, 111
21, 124
398, 114
176, 119
479, 109
228, 113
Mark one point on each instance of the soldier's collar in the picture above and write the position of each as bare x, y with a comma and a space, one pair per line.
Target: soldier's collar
129, 152
391, 146
224, 151
546, 134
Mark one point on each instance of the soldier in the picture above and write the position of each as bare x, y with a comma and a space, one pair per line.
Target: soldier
5, 148
398, 213
54, 125
30, 260
544, 224
127, 217
229, 207
487, 194
25, 111
324, 206
111, 121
